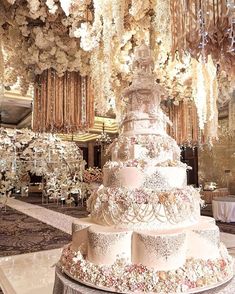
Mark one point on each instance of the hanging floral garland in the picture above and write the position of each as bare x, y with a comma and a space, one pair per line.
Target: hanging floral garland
97, 38
205, 93
203, 28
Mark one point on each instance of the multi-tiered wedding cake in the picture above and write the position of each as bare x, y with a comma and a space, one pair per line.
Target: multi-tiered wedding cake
145, 232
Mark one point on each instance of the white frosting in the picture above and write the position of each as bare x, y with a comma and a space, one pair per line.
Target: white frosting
105, 245
154, 150
141, 152
138, 152
204, 242
144, 208
133, 177
137, 123
79, 234
159, 249
160, 252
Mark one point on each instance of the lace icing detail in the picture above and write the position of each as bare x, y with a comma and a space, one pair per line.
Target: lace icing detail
155, 181
102, 243
163, 246
211, 236
120, 206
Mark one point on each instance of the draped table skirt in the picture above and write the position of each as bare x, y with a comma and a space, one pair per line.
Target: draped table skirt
224, 209
64, 285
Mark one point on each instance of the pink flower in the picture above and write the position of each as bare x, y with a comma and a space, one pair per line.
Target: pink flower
140, 197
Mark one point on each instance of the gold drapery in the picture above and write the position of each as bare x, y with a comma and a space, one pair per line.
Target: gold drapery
185, 125
62, 104
184, 129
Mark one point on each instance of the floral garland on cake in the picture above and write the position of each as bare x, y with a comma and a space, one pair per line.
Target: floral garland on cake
145, 195
154, 144
125, 277
143, 163
115, 205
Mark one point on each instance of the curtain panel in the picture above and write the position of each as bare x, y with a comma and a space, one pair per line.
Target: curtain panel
62, 104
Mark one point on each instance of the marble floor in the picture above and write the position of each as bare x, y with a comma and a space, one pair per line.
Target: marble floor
33, 273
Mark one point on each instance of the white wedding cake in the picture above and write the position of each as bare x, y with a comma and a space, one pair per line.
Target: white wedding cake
144, 232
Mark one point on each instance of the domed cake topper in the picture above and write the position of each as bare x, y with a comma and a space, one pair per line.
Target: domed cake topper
143, 60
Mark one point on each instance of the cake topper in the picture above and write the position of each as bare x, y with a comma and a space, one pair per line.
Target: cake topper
143, 61
144, 94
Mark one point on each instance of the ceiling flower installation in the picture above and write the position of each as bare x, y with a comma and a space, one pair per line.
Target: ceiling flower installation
97, 38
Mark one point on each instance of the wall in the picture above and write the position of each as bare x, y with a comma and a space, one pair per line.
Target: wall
91, 154
218, 163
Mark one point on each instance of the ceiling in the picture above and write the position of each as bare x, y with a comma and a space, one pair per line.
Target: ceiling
15, 109
16, 112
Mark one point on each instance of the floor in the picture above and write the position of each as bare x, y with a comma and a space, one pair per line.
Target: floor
37, 276
31, 273
20, 234
72, 210
58, 220
36, 270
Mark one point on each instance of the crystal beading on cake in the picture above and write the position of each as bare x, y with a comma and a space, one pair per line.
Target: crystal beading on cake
145, 233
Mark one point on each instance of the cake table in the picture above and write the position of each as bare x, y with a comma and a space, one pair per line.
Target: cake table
224, 209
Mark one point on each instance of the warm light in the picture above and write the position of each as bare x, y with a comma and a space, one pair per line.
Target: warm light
103, 139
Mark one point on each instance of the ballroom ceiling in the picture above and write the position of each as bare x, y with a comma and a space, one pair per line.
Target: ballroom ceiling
15, 109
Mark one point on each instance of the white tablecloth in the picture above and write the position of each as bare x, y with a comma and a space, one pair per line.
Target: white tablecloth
224, 209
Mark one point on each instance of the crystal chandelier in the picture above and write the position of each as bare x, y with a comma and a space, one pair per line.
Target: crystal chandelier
103, 140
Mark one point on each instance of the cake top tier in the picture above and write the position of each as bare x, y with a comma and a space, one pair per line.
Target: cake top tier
143, 95
143, 61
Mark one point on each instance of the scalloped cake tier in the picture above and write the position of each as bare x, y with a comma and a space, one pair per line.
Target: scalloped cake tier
121, 259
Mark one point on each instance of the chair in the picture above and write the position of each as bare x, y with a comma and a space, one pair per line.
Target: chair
45, 197
24, 191
4, 199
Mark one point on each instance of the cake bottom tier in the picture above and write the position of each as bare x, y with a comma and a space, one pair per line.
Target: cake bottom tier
127, 261
194, 276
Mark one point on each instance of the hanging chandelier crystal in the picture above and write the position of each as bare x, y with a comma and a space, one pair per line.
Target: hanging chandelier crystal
103, 140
